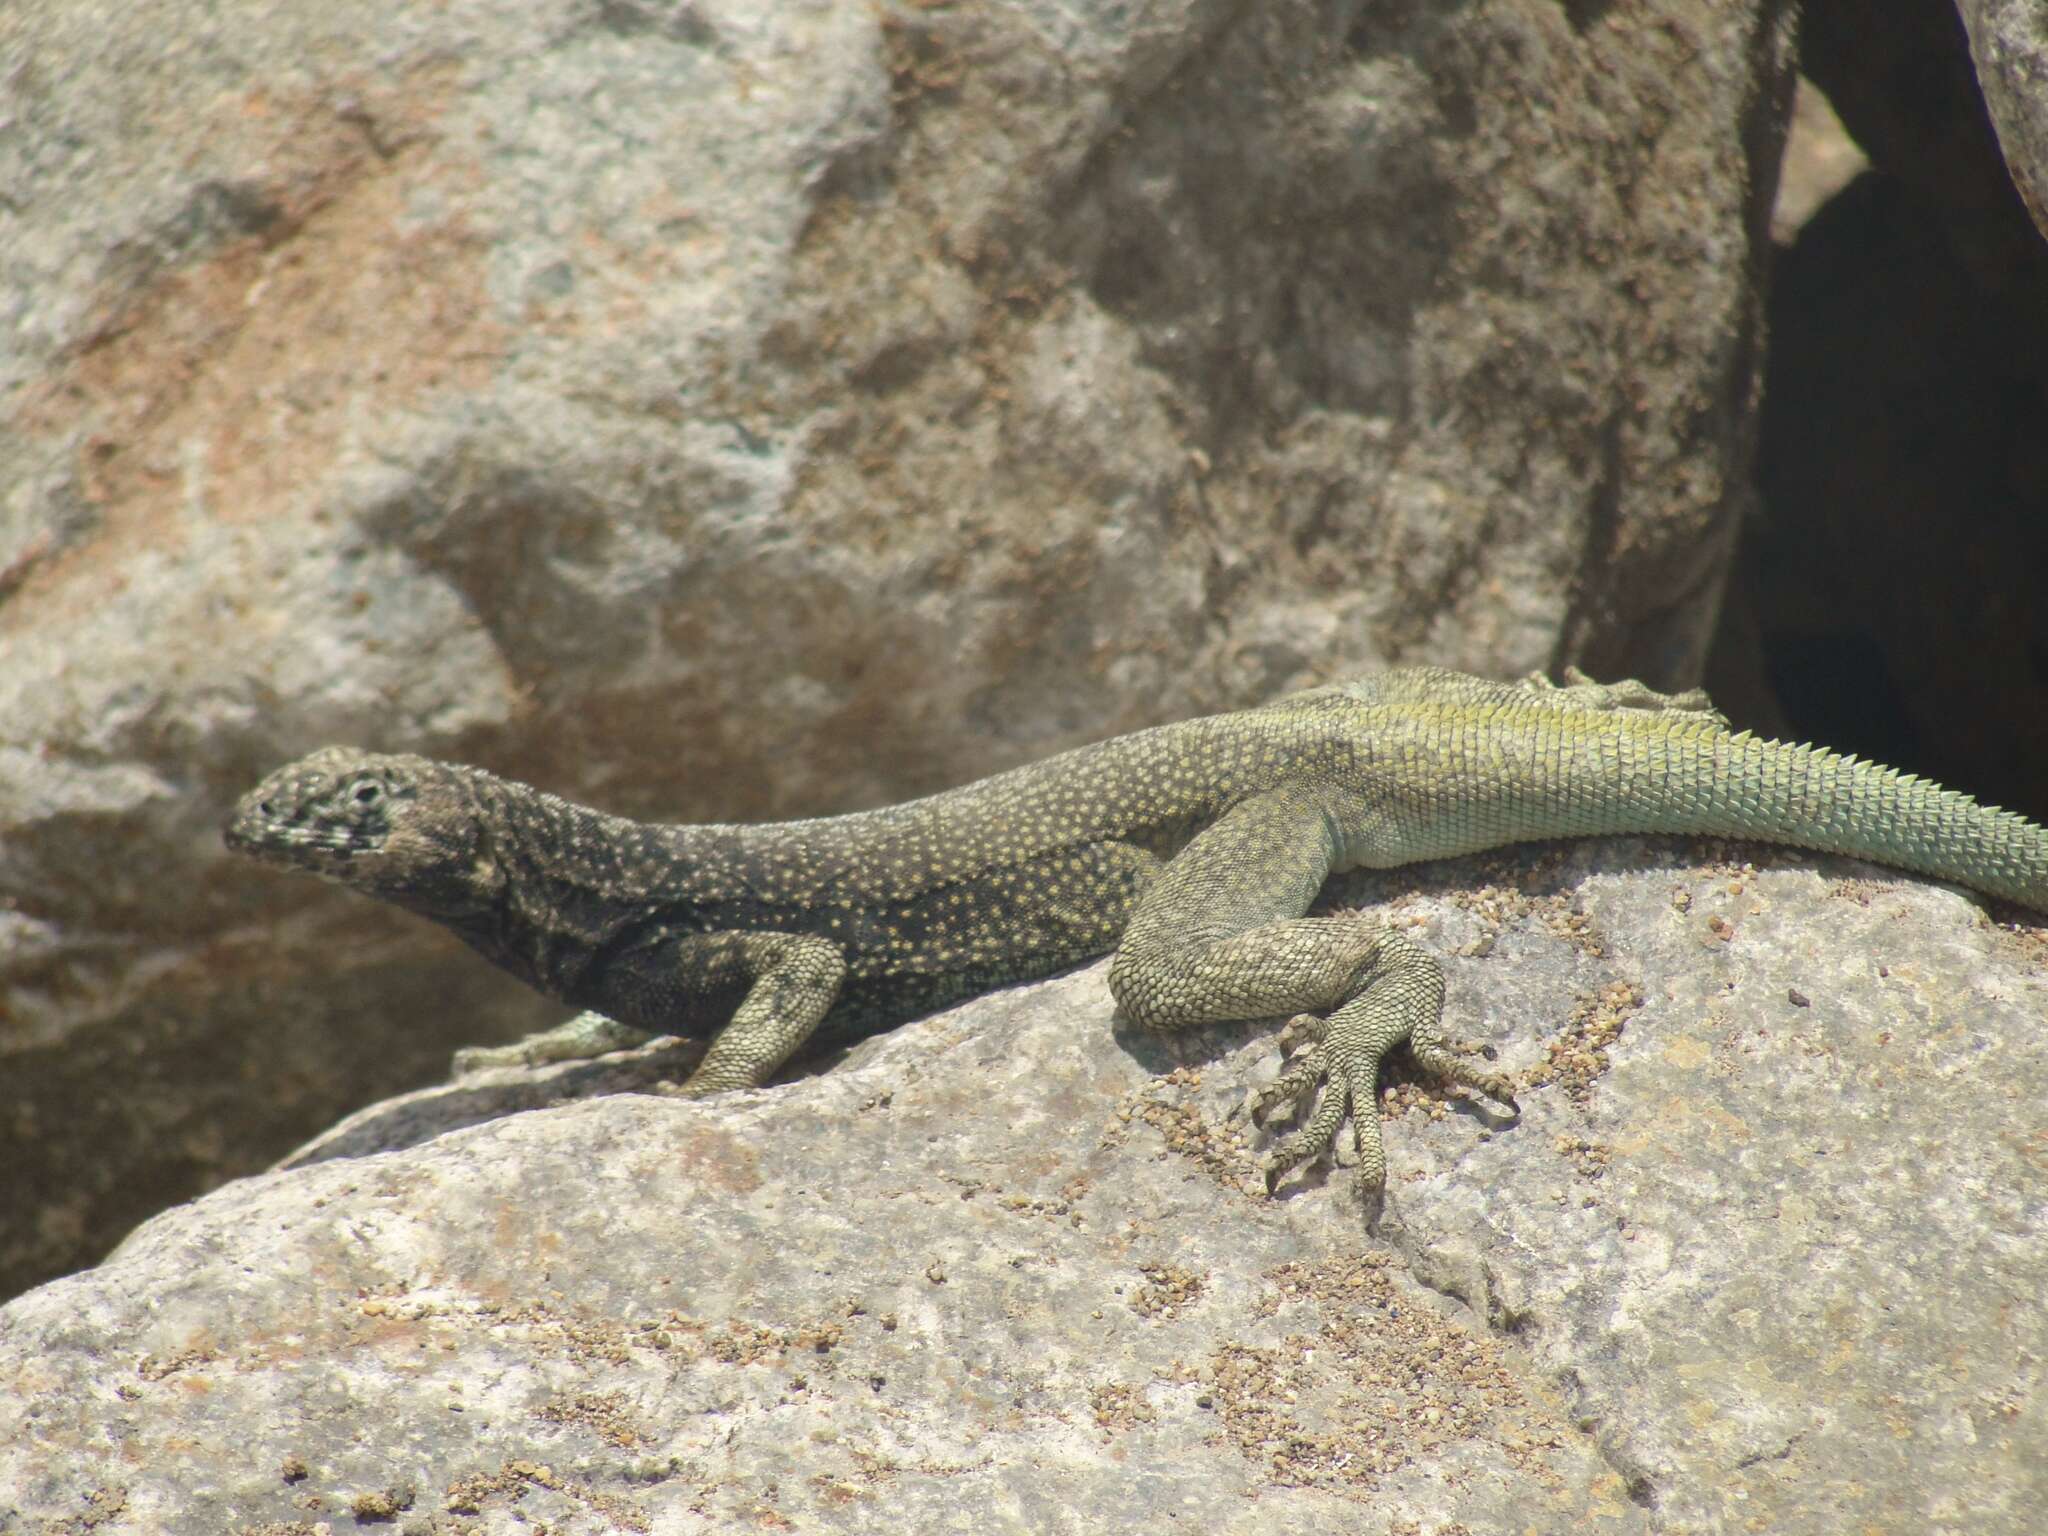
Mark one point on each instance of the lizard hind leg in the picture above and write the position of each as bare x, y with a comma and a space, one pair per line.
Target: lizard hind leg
1220, 934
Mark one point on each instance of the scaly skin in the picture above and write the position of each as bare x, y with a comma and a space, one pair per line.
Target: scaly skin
1194, 850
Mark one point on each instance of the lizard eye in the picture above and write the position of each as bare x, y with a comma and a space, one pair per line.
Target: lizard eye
369, 794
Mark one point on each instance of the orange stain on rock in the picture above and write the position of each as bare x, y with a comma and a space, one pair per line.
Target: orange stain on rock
230, 385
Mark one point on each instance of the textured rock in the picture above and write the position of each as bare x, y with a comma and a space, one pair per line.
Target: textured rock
2009, 42
718, 409
1766, 1250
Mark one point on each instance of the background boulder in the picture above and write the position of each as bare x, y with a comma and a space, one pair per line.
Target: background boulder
717, 410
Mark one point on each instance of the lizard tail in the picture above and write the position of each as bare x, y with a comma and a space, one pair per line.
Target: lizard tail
1741, 785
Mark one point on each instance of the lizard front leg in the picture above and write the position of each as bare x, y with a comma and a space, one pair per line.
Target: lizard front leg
795, 980
1220, 935
790, 981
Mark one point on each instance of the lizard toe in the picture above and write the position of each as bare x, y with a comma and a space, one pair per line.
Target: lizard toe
1333, 1106
1292, 1088
1310, 1027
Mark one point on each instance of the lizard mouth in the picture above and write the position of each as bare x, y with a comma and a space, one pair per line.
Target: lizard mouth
260, 832
340, 840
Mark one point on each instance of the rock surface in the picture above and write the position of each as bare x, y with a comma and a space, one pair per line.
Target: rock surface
717, 409
1766, 1250
2009, 43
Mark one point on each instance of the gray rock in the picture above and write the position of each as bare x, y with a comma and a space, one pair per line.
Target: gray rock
1747, 1261
2009, 43
722, 410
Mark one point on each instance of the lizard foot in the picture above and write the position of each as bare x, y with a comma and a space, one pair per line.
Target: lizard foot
588, 1035
690, 1088
1332, 1085
1582, 692
1340, 1072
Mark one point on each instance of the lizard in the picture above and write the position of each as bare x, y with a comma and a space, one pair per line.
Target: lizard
1193, 850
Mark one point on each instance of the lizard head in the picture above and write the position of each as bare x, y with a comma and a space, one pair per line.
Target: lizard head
391, 825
